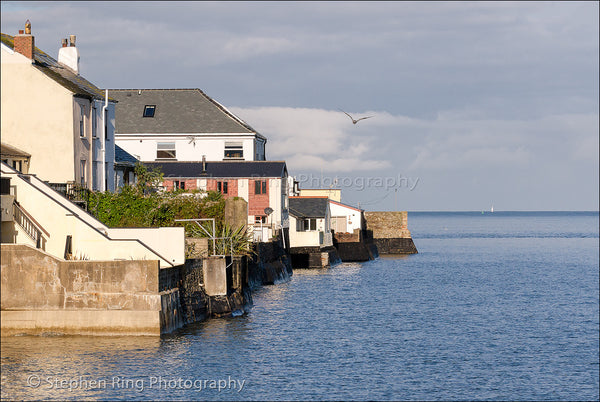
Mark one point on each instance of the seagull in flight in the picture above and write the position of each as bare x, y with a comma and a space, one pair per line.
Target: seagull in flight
357, 120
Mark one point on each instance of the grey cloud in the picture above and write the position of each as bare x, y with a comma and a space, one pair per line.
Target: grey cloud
479, 100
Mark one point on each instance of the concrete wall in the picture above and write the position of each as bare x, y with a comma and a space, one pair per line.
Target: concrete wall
215, 276
236, 212
169, 240
40, 293
387, 224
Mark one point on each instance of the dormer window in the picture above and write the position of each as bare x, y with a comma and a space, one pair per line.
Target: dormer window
149, 110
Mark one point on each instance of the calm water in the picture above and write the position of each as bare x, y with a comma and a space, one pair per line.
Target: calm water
495, 306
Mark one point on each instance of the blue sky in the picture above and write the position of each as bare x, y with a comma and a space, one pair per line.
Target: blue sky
474, 104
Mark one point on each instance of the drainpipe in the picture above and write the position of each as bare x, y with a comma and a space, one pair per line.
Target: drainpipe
103, 141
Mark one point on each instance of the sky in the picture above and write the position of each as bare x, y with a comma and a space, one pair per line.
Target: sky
471, 104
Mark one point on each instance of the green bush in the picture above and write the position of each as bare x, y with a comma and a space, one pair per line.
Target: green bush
144, 205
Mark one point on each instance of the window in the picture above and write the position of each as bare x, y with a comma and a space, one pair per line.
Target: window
82, 165
259, 146
149, 110
260, 187
222, 187
94, 124
106, 124
260, 219
178, 185
165, 150
81, 125
95, 185
234, 150
305, 225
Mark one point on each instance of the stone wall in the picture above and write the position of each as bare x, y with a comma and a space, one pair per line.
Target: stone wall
355, 237
388, 224
389, 232
401, 245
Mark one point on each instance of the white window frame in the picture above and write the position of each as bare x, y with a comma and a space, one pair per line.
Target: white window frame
83, 168
81, 121
231, 146
166, 147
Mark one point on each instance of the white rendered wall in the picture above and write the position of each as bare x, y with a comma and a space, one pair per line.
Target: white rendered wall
35, 104
91, 238
143, 146
243, 189
353, 217
308, 238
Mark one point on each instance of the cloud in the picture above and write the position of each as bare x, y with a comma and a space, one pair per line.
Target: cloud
313, 138
493, 93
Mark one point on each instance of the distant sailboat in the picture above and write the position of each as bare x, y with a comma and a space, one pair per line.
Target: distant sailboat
492, 209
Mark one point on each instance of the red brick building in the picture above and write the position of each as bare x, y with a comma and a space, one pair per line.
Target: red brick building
263, 184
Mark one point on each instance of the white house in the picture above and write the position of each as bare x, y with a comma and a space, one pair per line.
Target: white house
49, 111
345, 218
182, 125
310, 222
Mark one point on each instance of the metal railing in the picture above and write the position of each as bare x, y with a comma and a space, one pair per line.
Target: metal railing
74, 192
29, 225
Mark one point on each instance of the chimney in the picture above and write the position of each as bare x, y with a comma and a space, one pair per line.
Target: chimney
68, 56
25, 42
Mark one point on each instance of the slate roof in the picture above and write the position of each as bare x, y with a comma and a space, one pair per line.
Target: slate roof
8, 151
178, 111
123, 157
310, 207
59, 73
245, 169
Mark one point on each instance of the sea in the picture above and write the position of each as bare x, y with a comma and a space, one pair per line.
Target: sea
495, 306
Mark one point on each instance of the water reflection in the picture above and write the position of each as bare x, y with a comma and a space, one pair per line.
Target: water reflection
68, 366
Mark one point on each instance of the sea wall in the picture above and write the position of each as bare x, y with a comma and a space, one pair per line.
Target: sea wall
43, 294
314, 257
355, 247
269, 264
389, 232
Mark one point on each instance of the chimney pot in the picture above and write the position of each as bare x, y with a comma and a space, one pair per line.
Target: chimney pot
68, 55
24, 42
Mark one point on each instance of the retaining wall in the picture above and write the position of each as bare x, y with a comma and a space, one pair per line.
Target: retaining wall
389, 232
40, 293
